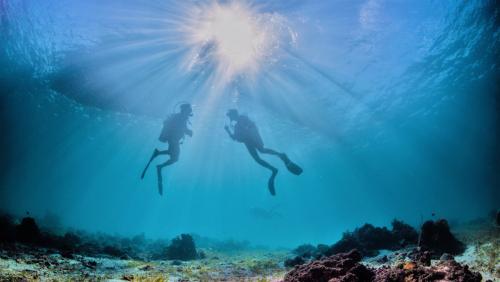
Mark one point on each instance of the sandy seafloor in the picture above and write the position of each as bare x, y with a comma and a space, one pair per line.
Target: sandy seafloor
245, 266
28, 264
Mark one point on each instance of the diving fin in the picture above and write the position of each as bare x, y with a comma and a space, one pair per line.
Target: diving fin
291, 166
160, 181
154, 155
270, 184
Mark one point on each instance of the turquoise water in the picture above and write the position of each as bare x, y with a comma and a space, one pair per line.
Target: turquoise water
391, 108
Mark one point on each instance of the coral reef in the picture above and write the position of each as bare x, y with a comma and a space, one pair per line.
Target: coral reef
347, 267
229, 245
436, 236
482, 237
298, 260
28, 231
448, 270
182, 248
99, 245
28, 252
305, 250
497, 218
340, 267
369, 239
7, 229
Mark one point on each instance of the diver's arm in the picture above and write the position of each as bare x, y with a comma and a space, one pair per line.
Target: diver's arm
229, 132
189, 132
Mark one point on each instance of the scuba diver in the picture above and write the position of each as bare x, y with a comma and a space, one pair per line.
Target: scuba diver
175, 128
245, 131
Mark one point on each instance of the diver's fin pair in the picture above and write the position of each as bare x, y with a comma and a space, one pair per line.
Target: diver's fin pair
291, 166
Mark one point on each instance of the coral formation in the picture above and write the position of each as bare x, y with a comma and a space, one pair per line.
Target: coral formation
298, 260
305, 250
369, 239
448, 270
340, 267
7, 229
28, 231
436, 236
497, 218
182, 248
347, 267
71, 243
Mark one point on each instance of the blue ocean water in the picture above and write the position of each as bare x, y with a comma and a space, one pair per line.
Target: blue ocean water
391, 108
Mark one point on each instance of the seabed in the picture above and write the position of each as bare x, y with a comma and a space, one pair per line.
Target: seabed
20, 262
39, 265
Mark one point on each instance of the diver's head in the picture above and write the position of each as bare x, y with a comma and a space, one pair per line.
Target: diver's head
186, 109
232, 114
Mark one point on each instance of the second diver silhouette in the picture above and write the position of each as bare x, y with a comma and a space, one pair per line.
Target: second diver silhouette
175, 127
245, 131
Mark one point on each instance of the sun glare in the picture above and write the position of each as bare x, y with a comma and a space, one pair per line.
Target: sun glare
233, 36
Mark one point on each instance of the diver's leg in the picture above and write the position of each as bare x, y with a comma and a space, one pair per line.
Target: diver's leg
270, 184
253, 152
268, 151
155, 154
173, 151
291, 166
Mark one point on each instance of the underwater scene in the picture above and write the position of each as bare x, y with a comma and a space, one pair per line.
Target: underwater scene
250, 140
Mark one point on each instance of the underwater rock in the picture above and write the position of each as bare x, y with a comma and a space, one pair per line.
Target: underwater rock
28, 231
182, 248
67, 245
403, 233
298, 260
436, 236
321, 250
346, 243
340, 267
383, 259
422, 257
7, 229
305, 250
114, 252
347, 267
369, 239
414, 272
446, 256
92, 264
147, 267
176, 262
67, 254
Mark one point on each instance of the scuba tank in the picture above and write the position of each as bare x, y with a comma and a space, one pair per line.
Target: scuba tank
173, 126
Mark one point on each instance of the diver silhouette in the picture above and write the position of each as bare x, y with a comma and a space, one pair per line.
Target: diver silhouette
175, 128
245, 131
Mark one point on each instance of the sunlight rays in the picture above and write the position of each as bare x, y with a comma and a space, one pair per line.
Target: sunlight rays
235, 37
